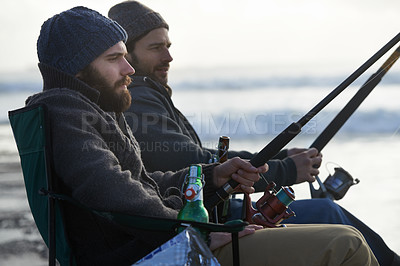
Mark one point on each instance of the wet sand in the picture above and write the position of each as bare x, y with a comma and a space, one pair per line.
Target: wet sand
20, 241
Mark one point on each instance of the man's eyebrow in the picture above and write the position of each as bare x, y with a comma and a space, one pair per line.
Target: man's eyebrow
116, 54
159, 44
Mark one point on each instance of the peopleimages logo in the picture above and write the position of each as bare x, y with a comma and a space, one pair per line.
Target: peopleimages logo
204, 123
239, 123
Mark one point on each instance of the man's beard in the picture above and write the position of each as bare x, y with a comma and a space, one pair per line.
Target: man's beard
110, 100
140, 72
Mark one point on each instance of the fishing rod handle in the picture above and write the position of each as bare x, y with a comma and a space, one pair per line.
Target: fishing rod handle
391, 60
221, 194
259, 159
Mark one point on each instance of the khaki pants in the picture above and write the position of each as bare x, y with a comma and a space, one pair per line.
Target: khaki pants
308, 245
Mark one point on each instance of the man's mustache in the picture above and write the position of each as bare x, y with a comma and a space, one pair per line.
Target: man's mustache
124, 81
163, 65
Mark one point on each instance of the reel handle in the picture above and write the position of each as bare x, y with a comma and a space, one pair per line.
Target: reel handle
259, 159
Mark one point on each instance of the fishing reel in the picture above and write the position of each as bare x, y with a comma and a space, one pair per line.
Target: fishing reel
335, 186
271, 207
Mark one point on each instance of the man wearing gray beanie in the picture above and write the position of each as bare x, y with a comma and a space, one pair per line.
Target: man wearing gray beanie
137, 19
95, 157
169, 142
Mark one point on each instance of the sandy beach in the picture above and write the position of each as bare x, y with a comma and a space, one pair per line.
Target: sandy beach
20, 242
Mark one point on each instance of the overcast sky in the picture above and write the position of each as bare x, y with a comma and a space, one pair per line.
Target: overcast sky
295, 35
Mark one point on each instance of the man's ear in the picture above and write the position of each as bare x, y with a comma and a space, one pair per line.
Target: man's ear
79, 75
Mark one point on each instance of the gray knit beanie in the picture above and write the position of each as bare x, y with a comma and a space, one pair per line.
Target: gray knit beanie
136, 18
71, 40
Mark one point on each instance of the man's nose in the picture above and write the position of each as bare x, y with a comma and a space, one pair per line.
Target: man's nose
167, 56
128, 69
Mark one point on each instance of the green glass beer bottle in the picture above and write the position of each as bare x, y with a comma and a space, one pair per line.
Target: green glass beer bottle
194, 210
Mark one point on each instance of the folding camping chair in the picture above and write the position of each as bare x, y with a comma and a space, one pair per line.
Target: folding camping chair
31, 129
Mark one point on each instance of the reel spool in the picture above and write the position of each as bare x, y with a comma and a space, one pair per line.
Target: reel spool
271, 208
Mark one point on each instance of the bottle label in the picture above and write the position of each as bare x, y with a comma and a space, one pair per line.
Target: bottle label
193, 192
195, 183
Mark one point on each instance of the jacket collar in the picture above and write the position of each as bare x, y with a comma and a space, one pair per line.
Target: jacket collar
54, 78
138, 81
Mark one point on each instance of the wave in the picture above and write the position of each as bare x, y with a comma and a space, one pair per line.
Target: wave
227, 83
381, 116
22, 86
283, 82
240, 125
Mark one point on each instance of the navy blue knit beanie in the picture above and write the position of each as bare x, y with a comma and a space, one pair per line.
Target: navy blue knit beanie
136, 18
71, 40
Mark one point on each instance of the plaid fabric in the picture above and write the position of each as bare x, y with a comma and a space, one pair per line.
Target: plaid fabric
187, 248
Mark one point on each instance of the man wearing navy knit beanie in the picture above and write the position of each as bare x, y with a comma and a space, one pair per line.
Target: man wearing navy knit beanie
97, 162
70, 41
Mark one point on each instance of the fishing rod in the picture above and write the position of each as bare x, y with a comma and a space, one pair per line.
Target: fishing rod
354, 103
294, 129
335, 125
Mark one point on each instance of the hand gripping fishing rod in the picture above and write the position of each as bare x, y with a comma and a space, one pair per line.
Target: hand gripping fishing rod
294, 129
334, 126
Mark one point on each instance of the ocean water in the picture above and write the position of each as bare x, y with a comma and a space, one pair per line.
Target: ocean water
252, 112
367, 146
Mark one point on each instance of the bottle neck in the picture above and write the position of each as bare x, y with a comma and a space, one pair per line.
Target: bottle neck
194, 190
